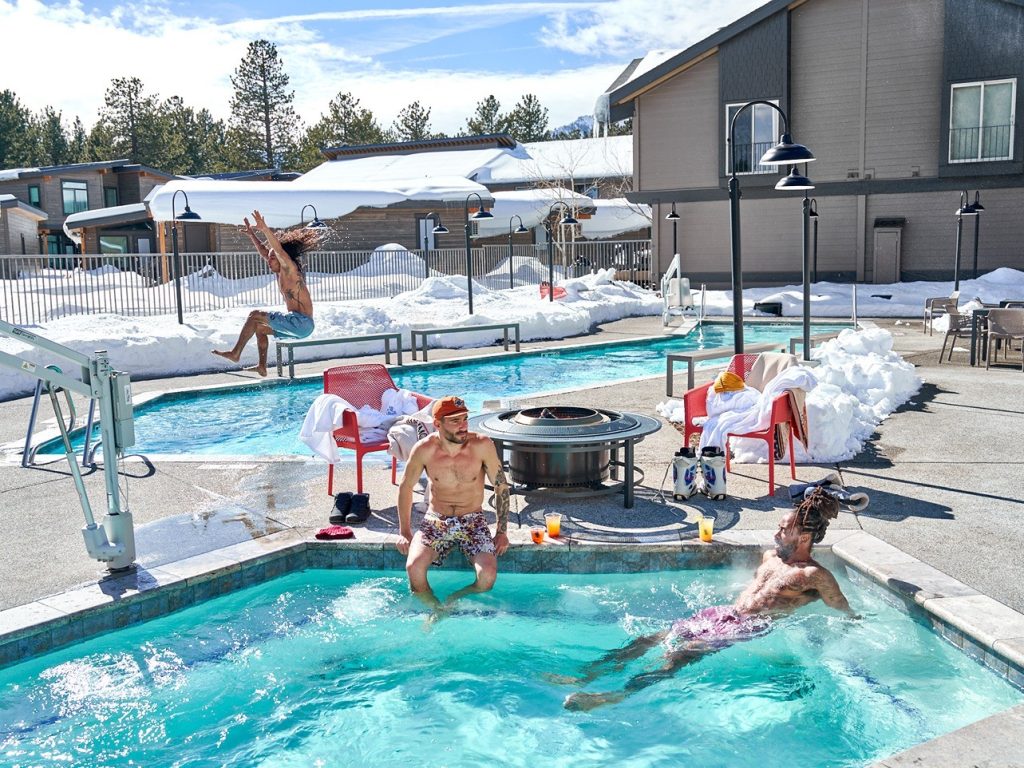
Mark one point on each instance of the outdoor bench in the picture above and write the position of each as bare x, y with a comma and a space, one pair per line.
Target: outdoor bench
817, 338
291, 344
424, 332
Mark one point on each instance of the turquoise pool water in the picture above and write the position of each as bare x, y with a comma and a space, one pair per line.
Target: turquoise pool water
334, 668
265, 420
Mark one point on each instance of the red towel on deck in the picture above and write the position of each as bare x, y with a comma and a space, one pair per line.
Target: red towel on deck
335, 532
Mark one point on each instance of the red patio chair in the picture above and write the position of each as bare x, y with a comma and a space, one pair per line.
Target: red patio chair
695, 404
360, 385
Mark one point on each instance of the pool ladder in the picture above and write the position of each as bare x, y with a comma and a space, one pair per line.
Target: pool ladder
28, 454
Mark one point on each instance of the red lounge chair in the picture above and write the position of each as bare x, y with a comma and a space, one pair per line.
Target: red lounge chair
360, 385
695, 403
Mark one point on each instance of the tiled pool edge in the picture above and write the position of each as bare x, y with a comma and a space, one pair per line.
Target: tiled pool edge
982, 627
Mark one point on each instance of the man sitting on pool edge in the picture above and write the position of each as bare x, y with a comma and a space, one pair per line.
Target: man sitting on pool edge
455, 461
787, 578
283, 254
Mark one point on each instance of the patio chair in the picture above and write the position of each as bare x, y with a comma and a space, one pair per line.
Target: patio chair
360, 385
1005, 325
937, 307
959, 328
695, 405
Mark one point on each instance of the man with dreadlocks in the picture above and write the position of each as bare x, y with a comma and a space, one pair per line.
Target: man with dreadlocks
283, 254
787, 578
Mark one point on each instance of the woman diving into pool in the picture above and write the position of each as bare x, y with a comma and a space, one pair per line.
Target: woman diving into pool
787, 578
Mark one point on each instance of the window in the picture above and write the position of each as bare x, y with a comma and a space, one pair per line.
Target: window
757, 130
34, 196
109, 197
76, 196
981, 121
116, 244
590, 190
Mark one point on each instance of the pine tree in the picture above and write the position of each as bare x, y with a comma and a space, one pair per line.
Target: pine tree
412, 123
263, 121
52, 146
528, 120
195, 140
99, 145
487, 118
133, 121
77, 142
15, 148
345, 122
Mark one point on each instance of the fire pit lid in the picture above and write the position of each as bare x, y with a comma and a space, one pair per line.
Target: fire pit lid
563, 425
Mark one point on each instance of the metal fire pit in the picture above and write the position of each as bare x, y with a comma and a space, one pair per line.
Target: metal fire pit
565, 447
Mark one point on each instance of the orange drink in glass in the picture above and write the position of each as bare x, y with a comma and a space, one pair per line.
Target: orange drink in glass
706, 527
537, 534
553, 521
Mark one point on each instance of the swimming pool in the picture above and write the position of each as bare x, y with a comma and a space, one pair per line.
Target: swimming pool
265, 419
334, 668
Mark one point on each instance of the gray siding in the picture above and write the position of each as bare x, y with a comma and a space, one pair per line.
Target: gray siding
904, 87
983, 42
929, 237
826, 79
678, 131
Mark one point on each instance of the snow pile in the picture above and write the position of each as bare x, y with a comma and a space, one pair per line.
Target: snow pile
860, 381
157, 346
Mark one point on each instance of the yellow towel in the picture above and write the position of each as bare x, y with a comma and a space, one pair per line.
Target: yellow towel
728, 381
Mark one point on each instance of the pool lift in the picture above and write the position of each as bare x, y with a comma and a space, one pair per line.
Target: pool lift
676, 299
113, 542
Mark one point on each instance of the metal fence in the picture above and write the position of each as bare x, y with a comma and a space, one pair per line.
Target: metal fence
35, 289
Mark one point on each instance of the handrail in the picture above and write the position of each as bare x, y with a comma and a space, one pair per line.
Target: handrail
796, 341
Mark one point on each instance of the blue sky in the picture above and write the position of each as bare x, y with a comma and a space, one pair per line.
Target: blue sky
448, 54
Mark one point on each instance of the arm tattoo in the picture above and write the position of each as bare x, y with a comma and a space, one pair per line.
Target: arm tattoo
501, 500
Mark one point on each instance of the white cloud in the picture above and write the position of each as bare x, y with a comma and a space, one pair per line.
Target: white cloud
630, 28
194, 57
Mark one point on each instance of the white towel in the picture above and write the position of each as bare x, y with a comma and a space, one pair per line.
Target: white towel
753, 415
326, 414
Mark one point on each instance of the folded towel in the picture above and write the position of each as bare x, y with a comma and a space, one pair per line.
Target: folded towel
335, 532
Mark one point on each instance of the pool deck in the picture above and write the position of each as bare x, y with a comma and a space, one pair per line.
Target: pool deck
943, 474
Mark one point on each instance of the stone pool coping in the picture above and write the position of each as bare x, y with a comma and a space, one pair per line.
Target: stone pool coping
982, 627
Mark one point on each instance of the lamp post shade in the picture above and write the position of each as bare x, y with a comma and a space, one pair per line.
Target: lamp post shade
786, 152
794, 180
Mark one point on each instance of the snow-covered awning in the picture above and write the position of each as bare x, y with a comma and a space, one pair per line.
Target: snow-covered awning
615, 217
281, 202
532, 205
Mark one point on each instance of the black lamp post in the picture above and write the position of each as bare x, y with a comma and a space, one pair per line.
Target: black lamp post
482, 213
794, 180
674, 218
978, 208
315, 223
187, 215
814, 220
783, 152
439, 229
566, 220
965, 209
518, 231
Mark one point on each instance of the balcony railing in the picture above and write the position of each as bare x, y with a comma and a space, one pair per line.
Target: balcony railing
975, 145
747, 155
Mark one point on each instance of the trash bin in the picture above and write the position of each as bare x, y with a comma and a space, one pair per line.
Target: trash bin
769, 307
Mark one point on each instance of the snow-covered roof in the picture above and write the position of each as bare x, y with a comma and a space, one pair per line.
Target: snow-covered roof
598, 158
10, 201
11, 174
282, 202
466, 163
